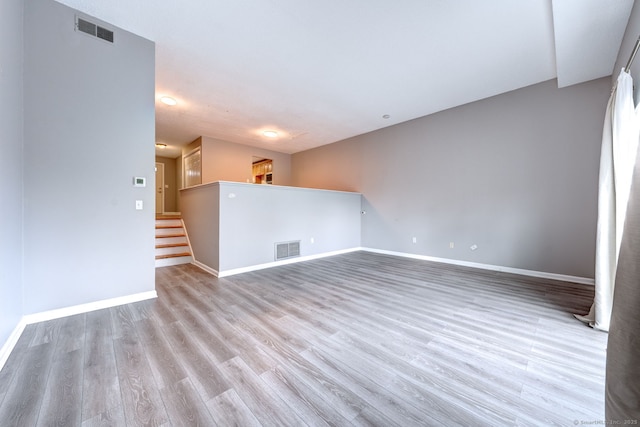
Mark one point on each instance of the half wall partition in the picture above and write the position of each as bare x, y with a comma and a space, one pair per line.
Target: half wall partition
236, 227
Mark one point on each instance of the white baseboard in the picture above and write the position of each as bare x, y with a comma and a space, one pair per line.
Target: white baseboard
85, 308
523, 272
11, 342
226, 273
205, 267
28, 319
168, 262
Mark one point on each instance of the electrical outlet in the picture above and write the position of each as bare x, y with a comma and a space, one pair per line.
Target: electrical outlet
450, 245
312, 240
415, 240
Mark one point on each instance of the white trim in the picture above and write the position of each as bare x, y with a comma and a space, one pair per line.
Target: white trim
523, 272
520, 271
85, 308
284, 262
11, 342
272, 186
186, 235
168, 262
205, 267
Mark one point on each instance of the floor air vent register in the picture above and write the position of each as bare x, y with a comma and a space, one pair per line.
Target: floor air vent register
286, 250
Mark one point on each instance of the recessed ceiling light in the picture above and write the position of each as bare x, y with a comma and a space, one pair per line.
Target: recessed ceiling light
270, 133
168, 100
161, 146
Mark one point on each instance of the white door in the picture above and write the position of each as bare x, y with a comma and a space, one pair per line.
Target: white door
159, 188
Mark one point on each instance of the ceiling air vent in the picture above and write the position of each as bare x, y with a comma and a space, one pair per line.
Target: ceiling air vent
94, 29
287, 250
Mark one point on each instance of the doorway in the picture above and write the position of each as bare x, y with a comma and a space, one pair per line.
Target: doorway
262, 170
159, 188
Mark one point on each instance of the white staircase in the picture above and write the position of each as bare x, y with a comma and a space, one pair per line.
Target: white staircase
172, 245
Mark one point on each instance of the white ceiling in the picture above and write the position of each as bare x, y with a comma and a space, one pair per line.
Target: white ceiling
322, 71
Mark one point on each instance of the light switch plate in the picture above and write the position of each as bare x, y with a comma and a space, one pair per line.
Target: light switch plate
139, 205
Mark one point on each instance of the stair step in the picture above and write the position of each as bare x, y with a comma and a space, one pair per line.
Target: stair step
173, 255
164, 236
171, 245
170, 240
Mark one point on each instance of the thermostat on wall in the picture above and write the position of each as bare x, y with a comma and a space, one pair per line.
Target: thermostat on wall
139, 181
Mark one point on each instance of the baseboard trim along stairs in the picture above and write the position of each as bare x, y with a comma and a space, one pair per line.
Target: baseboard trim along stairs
172, 242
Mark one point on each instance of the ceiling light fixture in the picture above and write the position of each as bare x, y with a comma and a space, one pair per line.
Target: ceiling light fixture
270, 133
161, 146
168, 100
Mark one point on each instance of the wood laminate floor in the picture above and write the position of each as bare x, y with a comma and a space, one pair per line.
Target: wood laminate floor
355, 339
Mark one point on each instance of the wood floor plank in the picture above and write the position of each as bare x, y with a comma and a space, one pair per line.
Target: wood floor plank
353, 339
268, 408
381, 408
140, 395
201, 369
122, 323
240, 344
62, 401
71, 335
228, 409
46, 332
22, 402
344, 402
101, 395
185, 406
110, 418
198, 326
166, 367
15, 359
312, 409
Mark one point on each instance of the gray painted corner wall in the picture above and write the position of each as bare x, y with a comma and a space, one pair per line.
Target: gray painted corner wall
11, 161
236, 225
514, 174
201, 215
89, 129
337, 166
226, 161
255, 217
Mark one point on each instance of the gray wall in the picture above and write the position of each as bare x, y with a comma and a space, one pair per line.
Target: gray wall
11, 143
258, 216
201, 215
170, 180
89, 129
251, 218
226, 161
515, 174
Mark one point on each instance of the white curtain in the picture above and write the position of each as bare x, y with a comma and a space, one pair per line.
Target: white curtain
617, 158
